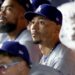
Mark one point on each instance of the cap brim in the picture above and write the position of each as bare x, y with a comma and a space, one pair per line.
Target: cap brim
7, 51
30, 15
2, 50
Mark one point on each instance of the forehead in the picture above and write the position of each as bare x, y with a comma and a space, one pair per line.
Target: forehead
9, 2
39, 17
44, 19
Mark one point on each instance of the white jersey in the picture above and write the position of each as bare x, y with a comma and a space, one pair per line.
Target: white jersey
61, 59
25, 39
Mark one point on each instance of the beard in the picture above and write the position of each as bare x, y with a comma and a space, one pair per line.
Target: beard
8, 27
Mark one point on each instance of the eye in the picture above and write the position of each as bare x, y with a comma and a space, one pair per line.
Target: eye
32, 22
9, 8
42, 22
6, 8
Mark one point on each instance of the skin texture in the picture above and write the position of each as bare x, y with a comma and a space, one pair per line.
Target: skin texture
44, 32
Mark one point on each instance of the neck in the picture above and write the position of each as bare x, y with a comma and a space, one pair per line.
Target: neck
47, 48
13, 35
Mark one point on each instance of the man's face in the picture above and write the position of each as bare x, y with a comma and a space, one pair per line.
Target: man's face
12, 65
9, 15
42, 30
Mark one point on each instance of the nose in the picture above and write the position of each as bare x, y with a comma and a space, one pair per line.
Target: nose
35, 26
2, 11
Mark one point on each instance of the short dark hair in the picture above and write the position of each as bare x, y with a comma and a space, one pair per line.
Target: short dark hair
25, 4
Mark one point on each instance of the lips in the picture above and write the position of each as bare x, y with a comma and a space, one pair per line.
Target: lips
33, 34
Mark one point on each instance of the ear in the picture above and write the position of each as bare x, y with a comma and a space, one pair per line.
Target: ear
28, 26
58, 28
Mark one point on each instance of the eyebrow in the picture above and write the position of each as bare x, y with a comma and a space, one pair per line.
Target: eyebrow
44, 18
40, 17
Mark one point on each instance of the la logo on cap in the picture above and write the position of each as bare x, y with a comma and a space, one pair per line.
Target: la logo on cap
57, 19
21, 52
38, 10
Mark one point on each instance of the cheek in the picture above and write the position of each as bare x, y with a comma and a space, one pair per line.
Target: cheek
12, 71
44, 30
17, 70
23, 69
48, 32
11, 17
43, 33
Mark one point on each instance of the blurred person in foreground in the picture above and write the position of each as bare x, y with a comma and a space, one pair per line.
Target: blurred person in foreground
45, 25
67, 33
13, 22
14, 59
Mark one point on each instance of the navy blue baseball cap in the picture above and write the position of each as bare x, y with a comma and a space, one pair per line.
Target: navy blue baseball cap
16, 49
36, 3
45, 10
